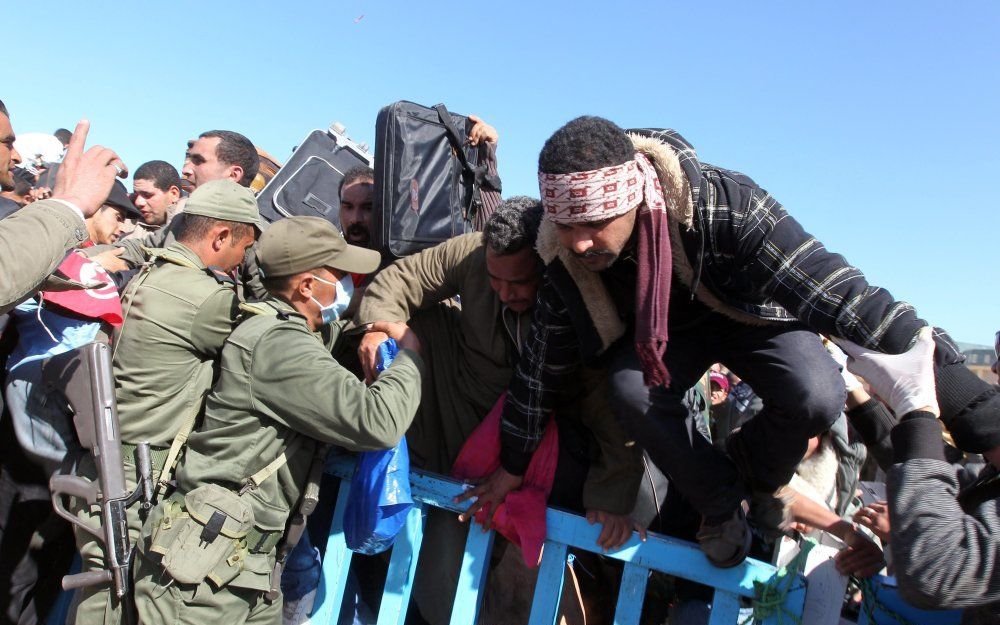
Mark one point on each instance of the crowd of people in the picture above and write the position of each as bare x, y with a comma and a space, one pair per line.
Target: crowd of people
680, 331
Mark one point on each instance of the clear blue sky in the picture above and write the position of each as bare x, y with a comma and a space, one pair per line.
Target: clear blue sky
874, 123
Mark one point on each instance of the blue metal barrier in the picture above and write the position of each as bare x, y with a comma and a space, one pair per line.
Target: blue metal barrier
564, 530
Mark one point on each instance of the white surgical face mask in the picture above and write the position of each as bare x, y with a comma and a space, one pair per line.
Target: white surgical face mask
345, 290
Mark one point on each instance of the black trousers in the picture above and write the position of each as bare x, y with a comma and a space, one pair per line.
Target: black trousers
787, 366
36, 550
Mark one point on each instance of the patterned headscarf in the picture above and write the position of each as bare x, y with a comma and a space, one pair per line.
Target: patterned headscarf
608, 192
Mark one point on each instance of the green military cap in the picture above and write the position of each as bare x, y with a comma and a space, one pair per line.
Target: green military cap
297, 244
224, 199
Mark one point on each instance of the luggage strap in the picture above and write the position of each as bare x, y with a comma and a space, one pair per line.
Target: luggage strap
479, 174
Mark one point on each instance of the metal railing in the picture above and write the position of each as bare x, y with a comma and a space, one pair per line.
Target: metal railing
564, 531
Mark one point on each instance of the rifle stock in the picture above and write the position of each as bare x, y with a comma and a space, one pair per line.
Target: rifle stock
84, 378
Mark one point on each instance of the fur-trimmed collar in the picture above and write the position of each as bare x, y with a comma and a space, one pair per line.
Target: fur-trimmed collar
676, 192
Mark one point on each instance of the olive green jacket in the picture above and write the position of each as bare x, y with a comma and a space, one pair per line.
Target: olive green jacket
481, 365
177, 318
33, 241
135, 254
281, 390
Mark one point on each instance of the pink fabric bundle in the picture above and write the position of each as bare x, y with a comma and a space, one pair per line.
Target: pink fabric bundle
520, 518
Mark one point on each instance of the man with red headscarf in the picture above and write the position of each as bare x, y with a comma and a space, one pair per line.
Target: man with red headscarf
638, 231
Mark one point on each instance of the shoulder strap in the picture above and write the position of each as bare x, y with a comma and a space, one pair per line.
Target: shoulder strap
170, 256
254, 481
220, 274
256, 308
187, 425
263, 308
133, 287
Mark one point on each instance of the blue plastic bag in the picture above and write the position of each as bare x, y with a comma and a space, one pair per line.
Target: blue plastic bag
380, 498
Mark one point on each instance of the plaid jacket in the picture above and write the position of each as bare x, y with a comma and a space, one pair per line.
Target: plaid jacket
755, 262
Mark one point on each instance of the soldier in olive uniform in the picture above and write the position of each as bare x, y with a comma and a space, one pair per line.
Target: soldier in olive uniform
179, 311
208, 551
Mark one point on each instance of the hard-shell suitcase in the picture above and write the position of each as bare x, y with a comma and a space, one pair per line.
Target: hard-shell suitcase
308, 183
430, 185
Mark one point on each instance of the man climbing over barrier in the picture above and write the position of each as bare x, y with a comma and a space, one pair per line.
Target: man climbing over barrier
626, 214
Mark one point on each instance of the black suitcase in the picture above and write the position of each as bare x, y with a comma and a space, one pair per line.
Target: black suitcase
429, 184
308, 183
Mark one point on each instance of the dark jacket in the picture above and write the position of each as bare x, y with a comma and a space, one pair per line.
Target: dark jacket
734, 247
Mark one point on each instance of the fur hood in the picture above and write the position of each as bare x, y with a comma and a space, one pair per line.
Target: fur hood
679, 171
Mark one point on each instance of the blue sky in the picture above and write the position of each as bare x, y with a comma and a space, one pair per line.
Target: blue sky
875, 124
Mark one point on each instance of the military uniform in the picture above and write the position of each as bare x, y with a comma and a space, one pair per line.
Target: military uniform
33, 241
134, 254
178, 314
280, 397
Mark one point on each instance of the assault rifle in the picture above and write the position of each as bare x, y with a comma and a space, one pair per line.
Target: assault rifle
84, 378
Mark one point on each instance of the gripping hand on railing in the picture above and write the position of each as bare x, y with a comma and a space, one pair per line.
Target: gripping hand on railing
491, 492
616, 529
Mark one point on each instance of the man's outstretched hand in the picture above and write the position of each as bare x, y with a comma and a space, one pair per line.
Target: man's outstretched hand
491, 492
85, 178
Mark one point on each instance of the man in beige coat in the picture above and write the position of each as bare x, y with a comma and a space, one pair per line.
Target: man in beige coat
470, 352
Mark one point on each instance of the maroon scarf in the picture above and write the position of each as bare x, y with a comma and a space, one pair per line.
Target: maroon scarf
600, 194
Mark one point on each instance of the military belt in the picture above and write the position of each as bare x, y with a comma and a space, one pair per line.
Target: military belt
157, 455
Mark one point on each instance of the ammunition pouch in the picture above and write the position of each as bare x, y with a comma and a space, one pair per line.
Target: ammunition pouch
203, 535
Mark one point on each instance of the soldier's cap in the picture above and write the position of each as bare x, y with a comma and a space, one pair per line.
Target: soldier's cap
226, 200
119, 199
297, 244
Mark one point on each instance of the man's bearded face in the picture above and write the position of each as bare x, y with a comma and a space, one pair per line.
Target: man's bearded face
597, 244
356, 212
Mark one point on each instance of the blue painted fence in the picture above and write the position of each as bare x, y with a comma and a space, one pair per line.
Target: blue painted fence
565, 530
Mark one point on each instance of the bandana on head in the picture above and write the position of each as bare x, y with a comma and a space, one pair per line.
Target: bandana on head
608, 192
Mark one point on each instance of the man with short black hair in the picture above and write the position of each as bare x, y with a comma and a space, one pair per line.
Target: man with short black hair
217, 154
63, 135
156, 188
356, 190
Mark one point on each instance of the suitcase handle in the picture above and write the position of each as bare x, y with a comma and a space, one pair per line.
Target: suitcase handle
478, 174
